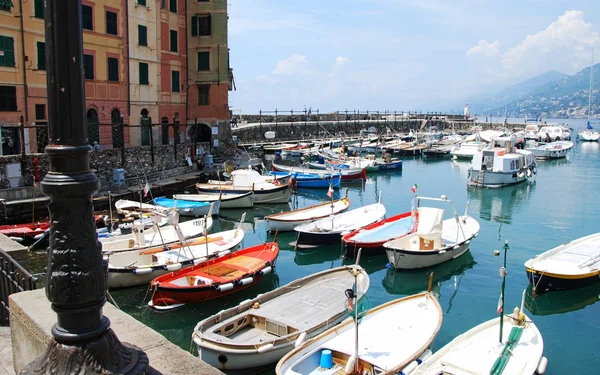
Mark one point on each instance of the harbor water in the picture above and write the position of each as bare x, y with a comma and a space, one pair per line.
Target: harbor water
558, 205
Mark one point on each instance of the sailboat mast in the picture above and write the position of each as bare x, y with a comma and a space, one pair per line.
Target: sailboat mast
591, 86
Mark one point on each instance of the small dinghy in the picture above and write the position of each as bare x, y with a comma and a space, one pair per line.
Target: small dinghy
372, 237
287, 221
132, 208
313, 181
260, 331
250, 181
189, 208
568, 266
227, 199
329, 230
142, 238
435, 240
347, 173
135, 267
383, 341
213, 278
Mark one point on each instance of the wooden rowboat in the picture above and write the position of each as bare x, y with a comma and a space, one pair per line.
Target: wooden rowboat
347, 174
213, 278
228, 200
287, 221
260, 331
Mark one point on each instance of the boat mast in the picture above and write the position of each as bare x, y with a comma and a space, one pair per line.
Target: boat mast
591, 87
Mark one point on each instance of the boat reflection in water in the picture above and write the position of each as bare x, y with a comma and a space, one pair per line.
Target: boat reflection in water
560, 302
407, 282
498, 204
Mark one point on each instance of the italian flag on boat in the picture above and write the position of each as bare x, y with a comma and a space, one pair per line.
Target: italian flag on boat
414, 188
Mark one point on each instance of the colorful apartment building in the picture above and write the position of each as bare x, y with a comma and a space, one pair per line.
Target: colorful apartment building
210, 76
143, 60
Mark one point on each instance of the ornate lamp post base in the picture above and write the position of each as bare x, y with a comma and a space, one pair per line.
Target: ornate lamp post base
106, 355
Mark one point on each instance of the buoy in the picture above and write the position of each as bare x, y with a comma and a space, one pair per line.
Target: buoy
426, 354
300, 339
529, 174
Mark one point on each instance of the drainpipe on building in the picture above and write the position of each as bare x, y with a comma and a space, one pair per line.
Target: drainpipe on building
25, 89
128, 70
187, 67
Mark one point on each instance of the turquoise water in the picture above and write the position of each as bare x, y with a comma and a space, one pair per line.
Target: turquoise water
560, 205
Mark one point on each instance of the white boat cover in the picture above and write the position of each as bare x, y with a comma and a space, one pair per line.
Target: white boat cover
430, 223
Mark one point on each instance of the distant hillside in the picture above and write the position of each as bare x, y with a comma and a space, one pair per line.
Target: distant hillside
565, 97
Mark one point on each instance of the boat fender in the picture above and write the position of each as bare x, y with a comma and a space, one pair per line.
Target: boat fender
534, 169
199, 260
173, 267
442, 252
426, 354
300, 340
225, 287
541, 369
142, 271
265, 348
409, 368
245, 305
265, 270
16, 239
350, 365
521, 174
529, 174
223, 253
246, 281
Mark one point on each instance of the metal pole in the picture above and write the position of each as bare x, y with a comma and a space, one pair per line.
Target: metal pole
82, 342
503, 275
151, 139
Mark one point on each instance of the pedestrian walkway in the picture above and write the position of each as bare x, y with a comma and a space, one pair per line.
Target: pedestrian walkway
6, 355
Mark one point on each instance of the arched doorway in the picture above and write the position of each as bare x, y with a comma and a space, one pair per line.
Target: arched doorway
93, 127
117, 133
146, 127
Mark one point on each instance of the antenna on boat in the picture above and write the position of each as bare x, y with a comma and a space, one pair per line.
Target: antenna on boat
276, 235
503, 276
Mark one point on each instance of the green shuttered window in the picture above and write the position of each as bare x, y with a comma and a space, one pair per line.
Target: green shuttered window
7, 56
203, 61
142, 35
143, 67
41, 55
113, 69
175, 81
38, 9
88, 66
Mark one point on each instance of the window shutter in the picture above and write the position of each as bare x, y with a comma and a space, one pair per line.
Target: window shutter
194, 26
41, 53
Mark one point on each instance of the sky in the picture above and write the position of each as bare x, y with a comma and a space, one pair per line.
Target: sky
400, 55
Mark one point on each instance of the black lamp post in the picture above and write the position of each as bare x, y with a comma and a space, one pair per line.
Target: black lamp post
83, 342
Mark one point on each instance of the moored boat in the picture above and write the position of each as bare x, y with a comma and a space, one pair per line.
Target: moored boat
501, 164
189, 208
435, 240
552, 150
347, 173
571, 265
329, 230
260, 331
245, 181
213, 278
132, 208
135, 267
314, 181
373, 349
227, 199
372, 237
287, 221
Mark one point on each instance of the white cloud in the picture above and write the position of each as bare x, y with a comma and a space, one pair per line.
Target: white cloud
565, 45
295, 65
484, 48
265, 78
339, 61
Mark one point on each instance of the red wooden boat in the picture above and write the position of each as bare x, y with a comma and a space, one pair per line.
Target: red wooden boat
25, 230
213, 278
372, 237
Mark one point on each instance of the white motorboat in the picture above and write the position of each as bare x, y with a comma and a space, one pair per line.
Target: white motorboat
466, 150
260, 331
228, 200
189, 208
135, 267
479, 351
248, 180
133, 208
571, 265
550, 133
142, 238
552, 150
435, 241
501, 164
531, 131
386, 340
287, 221
329, 230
